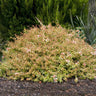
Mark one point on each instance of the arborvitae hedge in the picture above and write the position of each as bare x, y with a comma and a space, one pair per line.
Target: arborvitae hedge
21, 13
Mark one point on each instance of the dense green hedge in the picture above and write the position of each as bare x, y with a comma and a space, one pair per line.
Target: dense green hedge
21, 13
60, 10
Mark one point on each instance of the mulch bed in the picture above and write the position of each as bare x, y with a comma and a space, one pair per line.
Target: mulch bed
29, 88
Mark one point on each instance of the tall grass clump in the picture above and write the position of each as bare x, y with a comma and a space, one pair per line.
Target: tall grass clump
87, 27
48, 54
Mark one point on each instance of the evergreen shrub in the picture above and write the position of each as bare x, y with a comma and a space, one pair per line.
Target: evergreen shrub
21, 13
51, 54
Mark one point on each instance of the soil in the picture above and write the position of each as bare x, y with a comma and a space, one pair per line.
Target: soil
29, 88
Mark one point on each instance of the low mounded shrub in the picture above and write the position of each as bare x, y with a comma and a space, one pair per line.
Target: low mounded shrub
48, 54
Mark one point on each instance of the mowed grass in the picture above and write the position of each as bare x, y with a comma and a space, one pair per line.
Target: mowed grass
51, 54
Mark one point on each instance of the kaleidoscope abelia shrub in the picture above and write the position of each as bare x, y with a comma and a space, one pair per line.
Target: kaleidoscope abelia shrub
51, 54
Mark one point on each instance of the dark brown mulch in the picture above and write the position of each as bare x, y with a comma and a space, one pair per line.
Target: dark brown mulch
69, 88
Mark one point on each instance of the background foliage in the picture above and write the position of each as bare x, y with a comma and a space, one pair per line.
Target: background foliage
21, 13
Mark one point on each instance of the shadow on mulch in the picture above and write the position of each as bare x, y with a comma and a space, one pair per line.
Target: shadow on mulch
28, 88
